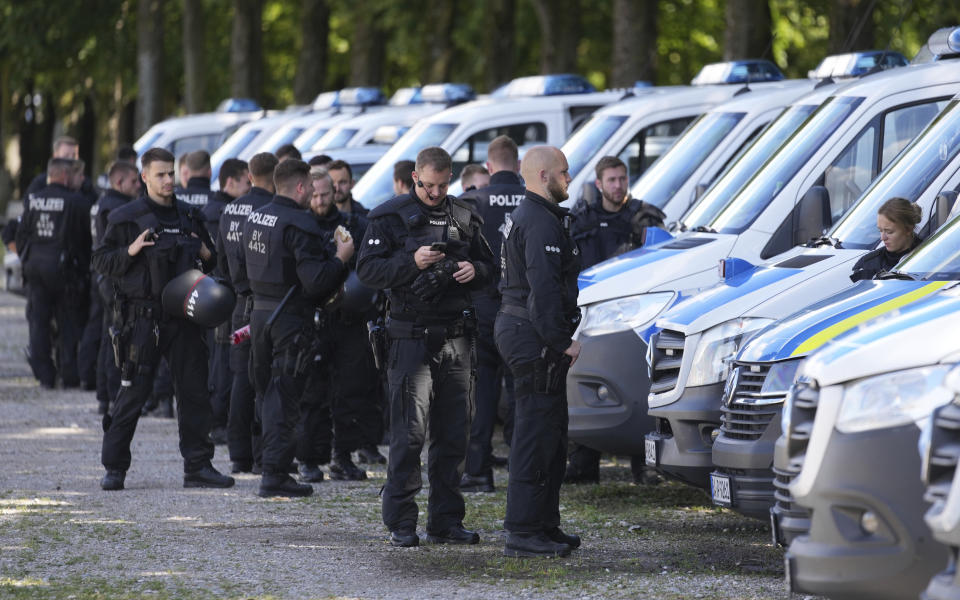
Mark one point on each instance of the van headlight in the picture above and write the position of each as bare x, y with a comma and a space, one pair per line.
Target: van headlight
623, 313
717, 347
893, 399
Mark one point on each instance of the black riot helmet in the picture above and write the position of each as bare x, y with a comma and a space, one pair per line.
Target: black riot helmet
354, 297
197, 298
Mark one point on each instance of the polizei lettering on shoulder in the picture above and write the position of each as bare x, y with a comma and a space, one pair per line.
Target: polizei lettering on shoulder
262, 219
505, 199
241, 210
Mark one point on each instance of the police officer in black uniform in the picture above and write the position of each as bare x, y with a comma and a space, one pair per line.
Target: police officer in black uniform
124, 181
533, 330
897, 220
427, 250
53, 240
291, 272
607, 226
234, 182
149, 242
66, 147
197, 191
342, 175
343, 385
243, 421
494, 203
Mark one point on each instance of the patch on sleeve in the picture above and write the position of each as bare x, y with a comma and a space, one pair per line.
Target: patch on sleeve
553, 249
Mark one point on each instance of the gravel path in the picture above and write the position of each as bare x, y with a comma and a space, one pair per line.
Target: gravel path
62, 537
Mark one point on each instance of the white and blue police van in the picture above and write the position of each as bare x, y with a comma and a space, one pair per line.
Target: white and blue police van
203, 131
697, 426
837, 139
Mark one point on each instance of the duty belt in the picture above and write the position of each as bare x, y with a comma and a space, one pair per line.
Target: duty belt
517, 311
292, 308
407, 329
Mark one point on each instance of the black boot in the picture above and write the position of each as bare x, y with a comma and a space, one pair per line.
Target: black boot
310, 473
454, 535
533, 544
207, 477
556, 534
281, 484
241, 466
113, 480
370, 454
343, 469
404, 538
477, 483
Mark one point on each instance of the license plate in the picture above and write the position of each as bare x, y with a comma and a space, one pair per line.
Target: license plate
720, 489
651, 452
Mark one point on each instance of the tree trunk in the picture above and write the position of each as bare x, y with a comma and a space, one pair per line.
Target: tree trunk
368, 50
749, 30
634, 42
194, 36
559, 34
500, 45
439, 50
851, 25
149, 64
312, 64
246, 50
87, 135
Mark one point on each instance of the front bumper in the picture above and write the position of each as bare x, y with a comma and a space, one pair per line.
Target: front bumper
875, 471
749, 464
618, 422
683, 434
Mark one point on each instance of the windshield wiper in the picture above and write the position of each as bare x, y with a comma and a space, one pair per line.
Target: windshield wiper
676, 226
896, 275
823, 241
704, 229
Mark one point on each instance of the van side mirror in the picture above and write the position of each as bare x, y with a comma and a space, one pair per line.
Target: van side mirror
812, 215
939, 213
700, 190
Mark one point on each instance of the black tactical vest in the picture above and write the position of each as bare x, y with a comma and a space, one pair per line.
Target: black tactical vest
232, 220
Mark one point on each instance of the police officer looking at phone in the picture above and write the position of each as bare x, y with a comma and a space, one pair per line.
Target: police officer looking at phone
427, 251
148, 243
291, 271
533, 330
53, 240
243, 421
494, 203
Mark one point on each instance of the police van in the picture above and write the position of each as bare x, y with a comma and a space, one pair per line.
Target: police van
391, 121
759, 208
563, 103
692, 353
204, 131
639, 130
851, 429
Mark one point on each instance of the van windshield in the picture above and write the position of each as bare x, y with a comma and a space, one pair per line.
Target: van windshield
586, 142
909, 175
749, 162
786, 162
664, 177
376, 186
938, 258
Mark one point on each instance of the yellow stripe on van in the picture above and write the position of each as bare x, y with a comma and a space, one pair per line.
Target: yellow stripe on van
822, 337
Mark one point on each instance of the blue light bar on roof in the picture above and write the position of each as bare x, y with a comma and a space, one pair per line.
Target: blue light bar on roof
856, 64
238, 105
326, 100
406, 96
738, 71
447, 93
361, 96
544, 85
945, 41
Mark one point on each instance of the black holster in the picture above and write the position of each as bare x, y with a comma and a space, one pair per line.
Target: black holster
546, 375
377, 335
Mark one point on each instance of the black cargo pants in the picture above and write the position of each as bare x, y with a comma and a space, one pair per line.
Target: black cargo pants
538, 453
243, 419
427, 388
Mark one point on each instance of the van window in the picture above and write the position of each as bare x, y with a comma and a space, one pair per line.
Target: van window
649, 143
195, 142
474, 149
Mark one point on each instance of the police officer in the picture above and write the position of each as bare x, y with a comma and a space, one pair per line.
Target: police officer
66, 147
148, 242
402, 180
124, 181
427, 251
53, 240
610, 225
342, 175
897, 220
474, 177
234, 182
494, 203
343, 384
291, 272
243, 422
533, 330
197, 190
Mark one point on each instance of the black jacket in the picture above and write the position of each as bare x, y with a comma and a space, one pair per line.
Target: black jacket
494, 203
601, 234
540, 267
53, 236
231, 261
873, 263
100, 212
197, 192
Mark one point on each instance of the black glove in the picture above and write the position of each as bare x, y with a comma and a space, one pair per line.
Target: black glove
431, 282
